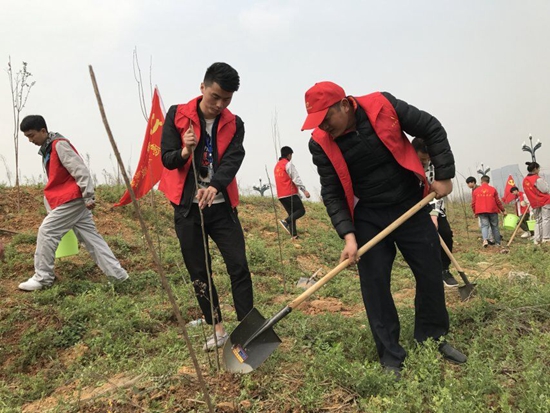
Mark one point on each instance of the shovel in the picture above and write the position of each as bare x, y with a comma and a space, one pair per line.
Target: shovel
254, 339
305, 283
465, 290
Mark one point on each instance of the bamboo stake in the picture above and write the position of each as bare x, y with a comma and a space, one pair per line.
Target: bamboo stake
215, 320
277, 227
145, 231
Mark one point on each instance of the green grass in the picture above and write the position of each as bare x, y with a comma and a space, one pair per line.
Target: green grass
82, 332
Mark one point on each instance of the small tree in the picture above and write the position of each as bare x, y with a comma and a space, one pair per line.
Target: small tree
20, 89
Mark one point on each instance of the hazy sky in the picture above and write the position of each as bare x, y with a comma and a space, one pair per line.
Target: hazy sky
481, 67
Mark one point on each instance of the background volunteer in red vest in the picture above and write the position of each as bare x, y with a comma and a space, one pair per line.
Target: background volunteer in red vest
486, 205
370, 175
522, 207
288, 182
538, 193
205, 130
69, 199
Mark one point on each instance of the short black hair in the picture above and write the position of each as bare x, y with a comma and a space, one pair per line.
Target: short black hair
514, 188
285, 151
33, 122
531, 166
419, 145
485, 178
224, 75
470, 180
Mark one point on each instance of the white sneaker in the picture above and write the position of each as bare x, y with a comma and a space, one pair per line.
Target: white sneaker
525, 235
114, 280
211, 342
30, 285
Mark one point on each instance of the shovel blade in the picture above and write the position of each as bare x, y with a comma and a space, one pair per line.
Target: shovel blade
240, 359
466, 291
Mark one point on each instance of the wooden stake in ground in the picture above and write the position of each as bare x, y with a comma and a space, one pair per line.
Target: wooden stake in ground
145, 231
277, 228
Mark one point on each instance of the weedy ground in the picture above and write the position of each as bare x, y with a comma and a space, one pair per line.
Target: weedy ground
85, 345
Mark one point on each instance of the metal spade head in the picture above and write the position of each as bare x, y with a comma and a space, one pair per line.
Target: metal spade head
466, 291
242, 357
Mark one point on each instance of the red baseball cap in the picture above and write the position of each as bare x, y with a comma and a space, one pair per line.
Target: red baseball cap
319, 99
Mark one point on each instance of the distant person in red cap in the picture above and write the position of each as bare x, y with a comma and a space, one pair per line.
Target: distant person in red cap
288, 181
371, 175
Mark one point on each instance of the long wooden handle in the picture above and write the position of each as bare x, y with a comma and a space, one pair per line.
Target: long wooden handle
517, 228
381, 235
450, 255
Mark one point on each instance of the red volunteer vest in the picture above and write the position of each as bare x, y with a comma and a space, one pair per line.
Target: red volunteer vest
383, 119
536, 198
520, 210
485, 200
285, 186
61, 187
173, 181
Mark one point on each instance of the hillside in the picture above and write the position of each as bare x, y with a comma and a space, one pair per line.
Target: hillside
86, 345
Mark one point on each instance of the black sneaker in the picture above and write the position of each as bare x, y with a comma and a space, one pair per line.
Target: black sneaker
284, 225
448, 279
452, 354
395, 371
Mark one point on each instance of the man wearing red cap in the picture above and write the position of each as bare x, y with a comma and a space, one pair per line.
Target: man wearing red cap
370, 175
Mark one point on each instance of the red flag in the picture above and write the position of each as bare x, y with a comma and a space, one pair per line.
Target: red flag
149, 168
508, 197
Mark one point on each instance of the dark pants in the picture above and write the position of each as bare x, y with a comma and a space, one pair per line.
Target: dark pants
295, 210
446, 233
417, 240
226, 231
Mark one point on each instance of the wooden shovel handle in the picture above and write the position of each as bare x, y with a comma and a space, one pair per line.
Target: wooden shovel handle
449, 254
517, 228
381, 235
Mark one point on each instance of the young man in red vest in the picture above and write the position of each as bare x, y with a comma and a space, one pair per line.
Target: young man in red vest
370, 175
69, 199
205, 131
522, 207
288, 182
538, 193
486, 205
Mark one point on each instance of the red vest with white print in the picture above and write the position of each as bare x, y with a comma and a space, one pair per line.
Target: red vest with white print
61, 187
173, 181
485, 200
385, 123
536, 198
283, 182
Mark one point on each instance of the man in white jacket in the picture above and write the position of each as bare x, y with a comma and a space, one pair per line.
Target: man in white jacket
69, 199
288, 182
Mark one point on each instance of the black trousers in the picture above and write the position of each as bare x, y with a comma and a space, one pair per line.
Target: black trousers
418, 242
295, 210
446, 233
225, 230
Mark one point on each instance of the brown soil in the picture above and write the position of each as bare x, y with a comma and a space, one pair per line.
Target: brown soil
137, 390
